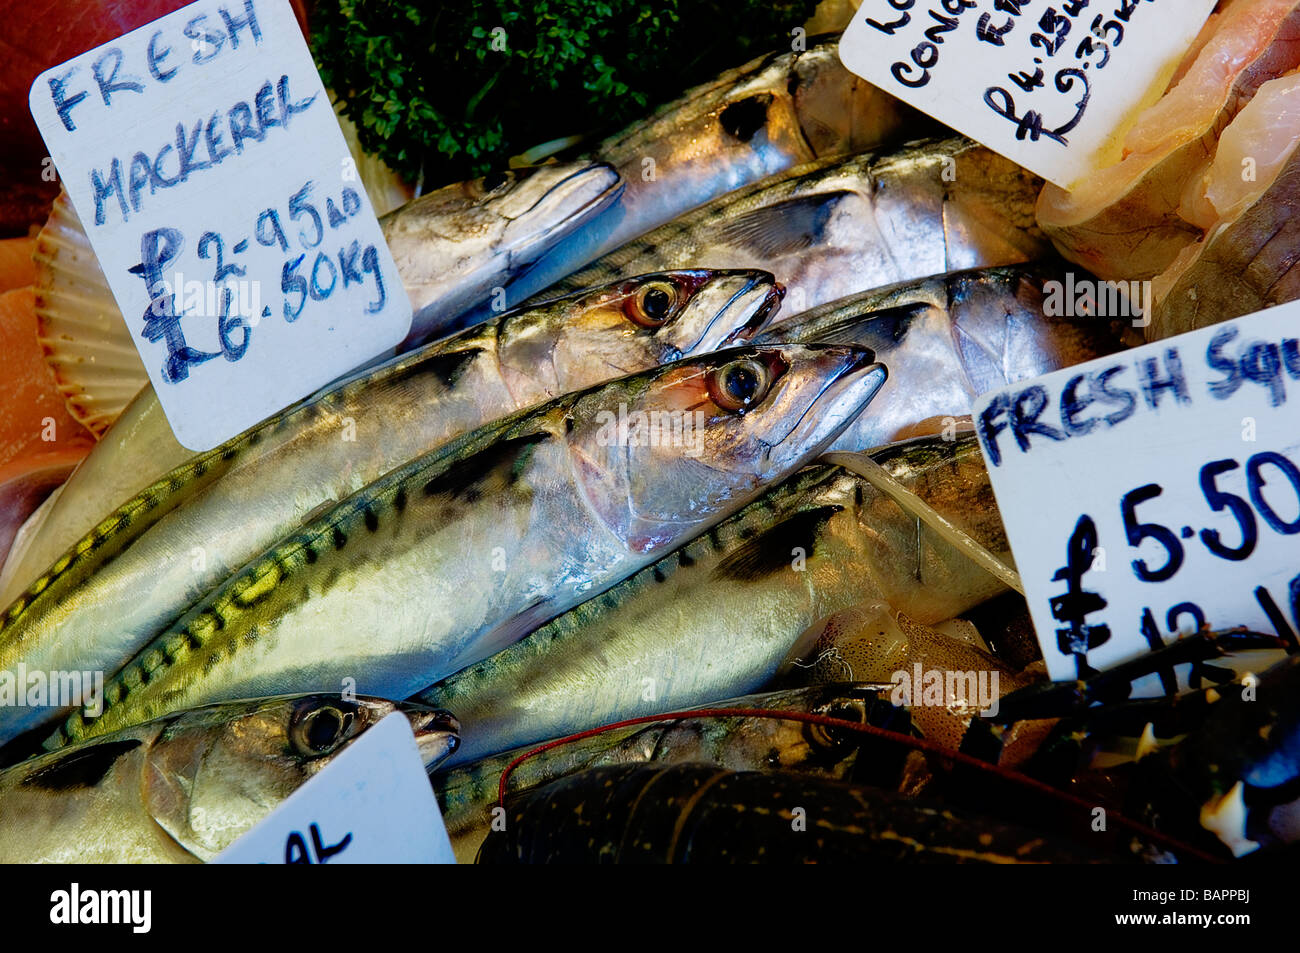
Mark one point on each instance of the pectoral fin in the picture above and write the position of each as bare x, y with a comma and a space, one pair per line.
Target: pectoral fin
784, 228
777, 548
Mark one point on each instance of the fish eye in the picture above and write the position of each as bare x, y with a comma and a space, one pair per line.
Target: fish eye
835, 743
739, 385
318, 728
494, 180
653, 305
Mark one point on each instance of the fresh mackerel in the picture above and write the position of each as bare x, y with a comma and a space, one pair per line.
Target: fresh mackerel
452, 247
719, 616
452, 557
769, 115
183, 788
148, 561
455, 245
837, 227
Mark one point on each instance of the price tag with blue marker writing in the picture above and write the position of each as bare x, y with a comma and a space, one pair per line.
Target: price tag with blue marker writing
1155, 492
371, 805
1050, 85
206, 165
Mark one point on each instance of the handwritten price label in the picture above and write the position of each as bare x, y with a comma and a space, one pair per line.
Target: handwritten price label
205, 162
1155, 492
372, 805
1050, 85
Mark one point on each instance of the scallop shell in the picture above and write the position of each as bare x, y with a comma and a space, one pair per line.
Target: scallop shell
86, 342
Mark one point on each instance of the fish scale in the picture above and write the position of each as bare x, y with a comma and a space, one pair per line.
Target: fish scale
398, 579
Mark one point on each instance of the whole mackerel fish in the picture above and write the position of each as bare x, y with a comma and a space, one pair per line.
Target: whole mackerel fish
721, 615
948, 339
451, 246
146, 563
837, 227
771, 114
455, 555
183, 788
467, 795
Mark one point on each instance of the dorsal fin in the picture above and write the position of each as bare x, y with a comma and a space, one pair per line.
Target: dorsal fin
880, 330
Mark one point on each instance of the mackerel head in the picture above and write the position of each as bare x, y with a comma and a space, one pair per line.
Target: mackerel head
949, 338
183, 788
457, 246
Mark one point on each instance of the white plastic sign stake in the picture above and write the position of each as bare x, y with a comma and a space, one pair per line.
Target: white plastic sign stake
1156, 491
372, 805
1049, 85
207, 167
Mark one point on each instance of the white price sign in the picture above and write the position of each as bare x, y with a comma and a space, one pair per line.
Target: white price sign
1050, 85
1155, 491
372, 805
204, 160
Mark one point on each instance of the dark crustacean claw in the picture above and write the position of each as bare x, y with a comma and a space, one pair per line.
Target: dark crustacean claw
1102, 707
1237, 776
